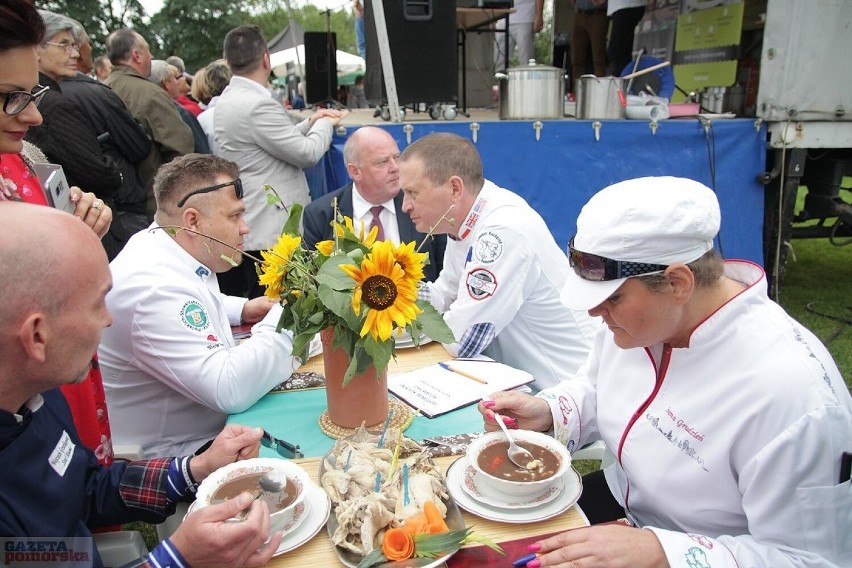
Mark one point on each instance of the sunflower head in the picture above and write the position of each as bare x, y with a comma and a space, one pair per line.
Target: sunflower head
411, 261
381, 285
275, 264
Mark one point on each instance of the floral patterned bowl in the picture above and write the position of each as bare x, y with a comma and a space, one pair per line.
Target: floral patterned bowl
297, 480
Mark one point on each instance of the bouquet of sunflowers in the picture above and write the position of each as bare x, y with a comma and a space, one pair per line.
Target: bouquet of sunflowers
365, 290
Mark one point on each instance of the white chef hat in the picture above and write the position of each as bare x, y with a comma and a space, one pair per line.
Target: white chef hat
645, 223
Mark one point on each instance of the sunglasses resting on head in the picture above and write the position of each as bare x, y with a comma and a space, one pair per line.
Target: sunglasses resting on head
238, 190
600, 269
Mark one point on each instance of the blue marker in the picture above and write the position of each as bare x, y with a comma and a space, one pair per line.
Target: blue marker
523, 560
405, 499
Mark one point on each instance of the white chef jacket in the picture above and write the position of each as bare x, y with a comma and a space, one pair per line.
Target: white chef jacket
171, 368
732, 456
507, 270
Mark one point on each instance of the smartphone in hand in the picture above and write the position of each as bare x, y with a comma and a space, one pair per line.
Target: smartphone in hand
55, 186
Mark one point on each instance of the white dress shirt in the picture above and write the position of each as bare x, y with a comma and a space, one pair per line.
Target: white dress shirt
362, 216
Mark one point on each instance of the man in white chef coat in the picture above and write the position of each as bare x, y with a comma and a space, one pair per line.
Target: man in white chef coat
172, 369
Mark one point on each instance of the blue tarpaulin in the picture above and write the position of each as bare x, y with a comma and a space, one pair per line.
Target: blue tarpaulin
561, 170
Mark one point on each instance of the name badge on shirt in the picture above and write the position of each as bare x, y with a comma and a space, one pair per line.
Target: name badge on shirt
60, 457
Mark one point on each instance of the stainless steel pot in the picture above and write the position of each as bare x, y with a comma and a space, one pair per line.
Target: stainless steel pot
531, 92
723, 99
600, 97
713, 99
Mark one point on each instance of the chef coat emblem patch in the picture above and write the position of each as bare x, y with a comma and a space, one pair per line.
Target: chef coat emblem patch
488, 247
480, 284
194, 317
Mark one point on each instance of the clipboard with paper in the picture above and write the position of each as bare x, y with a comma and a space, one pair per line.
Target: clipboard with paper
444, 387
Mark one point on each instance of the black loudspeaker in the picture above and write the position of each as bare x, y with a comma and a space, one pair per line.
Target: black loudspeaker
320, 67
423, 46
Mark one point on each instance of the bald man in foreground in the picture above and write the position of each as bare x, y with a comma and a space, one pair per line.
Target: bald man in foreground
50, 323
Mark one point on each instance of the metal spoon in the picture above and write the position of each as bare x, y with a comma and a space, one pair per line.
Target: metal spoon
269, 482
517, 455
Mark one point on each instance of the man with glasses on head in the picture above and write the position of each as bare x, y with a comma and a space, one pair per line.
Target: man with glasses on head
171, 366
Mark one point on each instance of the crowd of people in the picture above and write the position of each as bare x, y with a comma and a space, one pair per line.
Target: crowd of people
727, 417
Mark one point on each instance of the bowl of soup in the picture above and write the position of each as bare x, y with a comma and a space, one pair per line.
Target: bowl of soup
285, 507
488, 455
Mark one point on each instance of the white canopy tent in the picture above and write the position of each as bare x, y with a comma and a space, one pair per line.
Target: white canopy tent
346, 62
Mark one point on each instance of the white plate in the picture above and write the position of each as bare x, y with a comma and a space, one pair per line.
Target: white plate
566, 499
454, 521
405, 342
473, 486
317, 506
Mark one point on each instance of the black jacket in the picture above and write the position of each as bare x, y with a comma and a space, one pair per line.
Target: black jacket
67, 138
120, 136
199, 138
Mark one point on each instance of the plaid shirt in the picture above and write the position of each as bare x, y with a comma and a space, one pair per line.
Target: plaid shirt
475, 339
155, 485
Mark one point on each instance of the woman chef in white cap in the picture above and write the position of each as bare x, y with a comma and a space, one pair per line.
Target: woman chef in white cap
727, 418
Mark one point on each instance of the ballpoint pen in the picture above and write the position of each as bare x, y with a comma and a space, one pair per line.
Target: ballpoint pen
284, 448
524, 560
470, 376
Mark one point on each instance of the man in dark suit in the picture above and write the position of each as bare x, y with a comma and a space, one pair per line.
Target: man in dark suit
372, 160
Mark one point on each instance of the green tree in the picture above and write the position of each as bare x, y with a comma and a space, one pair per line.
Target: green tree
194, 30
272, 17
100, 17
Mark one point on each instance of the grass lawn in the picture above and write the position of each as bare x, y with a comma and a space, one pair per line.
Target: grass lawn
815, 290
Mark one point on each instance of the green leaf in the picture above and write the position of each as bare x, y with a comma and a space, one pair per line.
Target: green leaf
228, 259
434, 545
332, 276
479, 539
433, 324
291, 227
301, 344
375, 557
340, 304
379, 352
272, 197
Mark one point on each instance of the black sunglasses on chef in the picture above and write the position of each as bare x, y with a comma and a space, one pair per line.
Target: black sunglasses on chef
600, 268
238, 190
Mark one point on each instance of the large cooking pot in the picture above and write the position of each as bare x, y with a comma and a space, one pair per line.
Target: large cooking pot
723, 99
531, 92
600, 97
